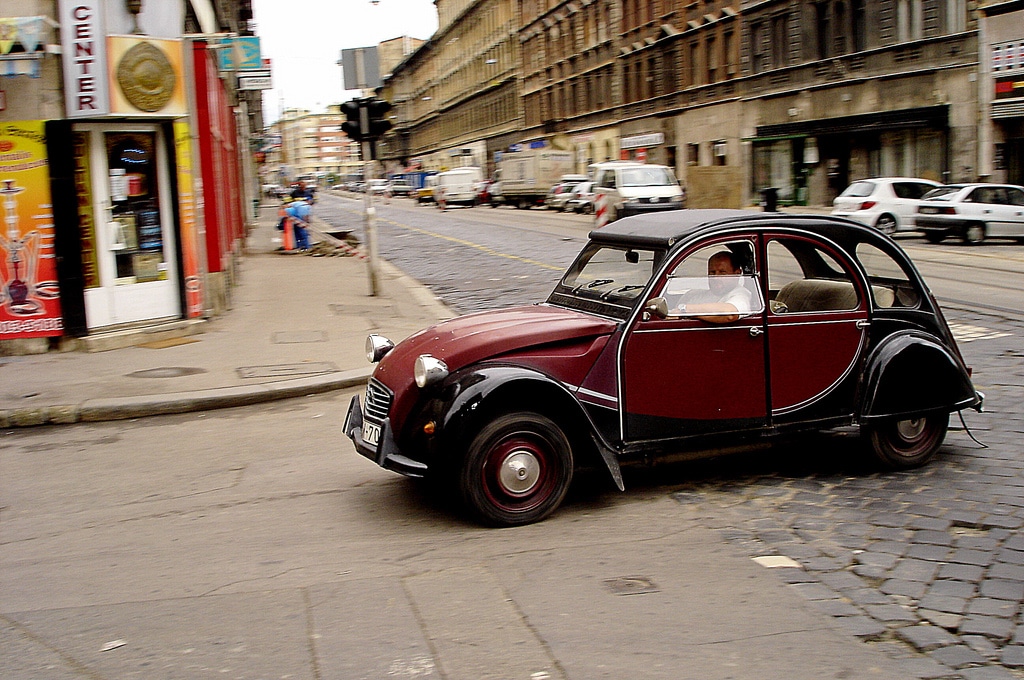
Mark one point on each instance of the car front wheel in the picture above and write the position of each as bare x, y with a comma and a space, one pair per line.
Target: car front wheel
907, 443
517, 469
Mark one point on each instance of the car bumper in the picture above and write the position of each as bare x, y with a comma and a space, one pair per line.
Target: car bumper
930, 223
641, 208
384, 451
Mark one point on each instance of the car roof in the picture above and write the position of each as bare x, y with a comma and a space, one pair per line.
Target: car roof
662, 230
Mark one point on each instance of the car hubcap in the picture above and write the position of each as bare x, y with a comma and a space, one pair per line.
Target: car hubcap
912, 429
519, 472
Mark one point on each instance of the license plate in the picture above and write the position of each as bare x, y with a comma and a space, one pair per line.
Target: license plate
371, 433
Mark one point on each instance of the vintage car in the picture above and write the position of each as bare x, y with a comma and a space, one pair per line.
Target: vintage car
830, 325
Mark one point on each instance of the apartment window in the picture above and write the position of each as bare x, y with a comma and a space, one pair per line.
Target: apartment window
956, 16
758, 58
719, 153
693, 154
712, 58
780, 41
821, 32
694, 62
908, 20
859, 25
727, 54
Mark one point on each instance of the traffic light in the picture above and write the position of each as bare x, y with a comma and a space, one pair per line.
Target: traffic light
351, 126
379, 123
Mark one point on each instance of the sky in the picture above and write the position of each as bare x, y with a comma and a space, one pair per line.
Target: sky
304, 39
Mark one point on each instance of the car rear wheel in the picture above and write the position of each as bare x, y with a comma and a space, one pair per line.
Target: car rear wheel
974, 234
934, 236
886, 224
907, 443
517, 469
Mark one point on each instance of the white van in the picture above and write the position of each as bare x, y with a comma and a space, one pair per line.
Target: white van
459, 185
630, 188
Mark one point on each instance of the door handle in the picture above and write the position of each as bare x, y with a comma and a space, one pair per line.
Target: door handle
862, 324
756, 331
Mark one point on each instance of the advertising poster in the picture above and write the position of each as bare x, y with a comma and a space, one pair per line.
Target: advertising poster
29, 295
190, 255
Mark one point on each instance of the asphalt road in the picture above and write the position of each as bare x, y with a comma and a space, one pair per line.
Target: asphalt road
254, 542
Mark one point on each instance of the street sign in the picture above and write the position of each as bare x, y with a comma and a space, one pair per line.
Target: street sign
240, 53
255, 80
360, 68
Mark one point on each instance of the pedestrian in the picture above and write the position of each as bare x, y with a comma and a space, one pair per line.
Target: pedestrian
299, 211
440, 198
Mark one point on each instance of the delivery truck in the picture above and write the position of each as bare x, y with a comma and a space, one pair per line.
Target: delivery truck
526, 176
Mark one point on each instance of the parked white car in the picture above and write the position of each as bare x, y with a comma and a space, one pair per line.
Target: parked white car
973, 212
581, 198
887, 203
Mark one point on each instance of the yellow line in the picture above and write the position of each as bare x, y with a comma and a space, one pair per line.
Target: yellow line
481, 248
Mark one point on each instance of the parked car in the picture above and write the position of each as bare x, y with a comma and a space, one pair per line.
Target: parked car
973, 212
425, 194
581, 199
621, 367
631, 188
560, 193
401, 187
888, 204
379, 187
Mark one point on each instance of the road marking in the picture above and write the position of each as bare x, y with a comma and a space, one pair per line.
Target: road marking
477, 246
967, 333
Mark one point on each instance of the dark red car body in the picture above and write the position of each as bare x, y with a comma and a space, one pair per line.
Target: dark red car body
601, 375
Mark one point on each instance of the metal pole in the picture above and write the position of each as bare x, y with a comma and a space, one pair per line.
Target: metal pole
371, 226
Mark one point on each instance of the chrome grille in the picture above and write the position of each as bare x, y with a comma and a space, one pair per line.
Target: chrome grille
378, 400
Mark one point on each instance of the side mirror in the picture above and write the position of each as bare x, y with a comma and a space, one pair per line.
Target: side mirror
656, 307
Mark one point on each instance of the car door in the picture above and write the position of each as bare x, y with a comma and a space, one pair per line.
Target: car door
817, 324
683, 375
1009, 213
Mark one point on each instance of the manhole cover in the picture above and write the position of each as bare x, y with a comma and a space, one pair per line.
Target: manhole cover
287, 370
167, 372
630, 585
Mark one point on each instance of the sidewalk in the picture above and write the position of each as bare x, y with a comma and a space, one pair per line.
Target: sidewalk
297, 326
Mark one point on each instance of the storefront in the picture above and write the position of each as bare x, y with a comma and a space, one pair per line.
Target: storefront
811, 162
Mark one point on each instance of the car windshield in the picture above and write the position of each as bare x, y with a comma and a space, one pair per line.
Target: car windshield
859, 189
604, 273
647, 177
942, 193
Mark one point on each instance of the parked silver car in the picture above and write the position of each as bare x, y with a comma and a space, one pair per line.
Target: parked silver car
888, 204
973, 212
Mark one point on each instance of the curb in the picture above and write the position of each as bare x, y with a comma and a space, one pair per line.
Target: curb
124, 408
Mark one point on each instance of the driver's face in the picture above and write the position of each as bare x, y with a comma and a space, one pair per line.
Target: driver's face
718, 267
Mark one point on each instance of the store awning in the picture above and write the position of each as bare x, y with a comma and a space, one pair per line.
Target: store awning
931, 117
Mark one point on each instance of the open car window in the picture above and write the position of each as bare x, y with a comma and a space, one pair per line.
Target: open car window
697, 280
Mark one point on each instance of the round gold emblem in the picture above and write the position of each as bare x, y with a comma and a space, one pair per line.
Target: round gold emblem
146, 77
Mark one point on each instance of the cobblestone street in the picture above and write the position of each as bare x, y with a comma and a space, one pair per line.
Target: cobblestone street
929, 561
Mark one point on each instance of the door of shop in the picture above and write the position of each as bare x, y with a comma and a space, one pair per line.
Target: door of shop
135, 253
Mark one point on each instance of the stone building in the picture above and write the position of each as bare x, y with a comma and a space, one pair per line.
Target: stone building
735, 95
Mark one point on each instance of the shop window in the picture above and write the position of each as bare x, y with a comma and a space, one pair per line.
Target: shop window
136, 234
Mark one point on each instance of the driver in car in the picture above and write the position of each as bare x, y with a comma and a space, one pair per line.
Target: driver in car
725, 299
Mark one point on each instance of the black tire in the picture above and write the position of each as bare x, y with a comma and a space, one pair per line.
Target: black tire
934, 236
588, 209
886, 224
517, 470
974, 233
908, 443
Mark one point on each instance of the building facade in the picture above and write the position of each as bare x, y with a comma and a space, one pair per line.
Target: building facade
126, 172
1001, 86
737, 96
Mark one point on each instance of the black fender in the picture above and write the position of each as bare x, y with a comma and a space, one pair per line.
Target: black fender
912, 373
471, 397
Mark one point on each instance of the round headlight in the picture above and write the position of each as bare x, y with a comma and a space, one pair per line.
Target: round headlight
376, 347
429, 370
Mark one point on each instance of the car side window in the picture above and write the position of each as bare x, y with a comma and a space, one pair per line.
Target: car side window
890, 284
1016, 196
803, 277
722, 272
906, 190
